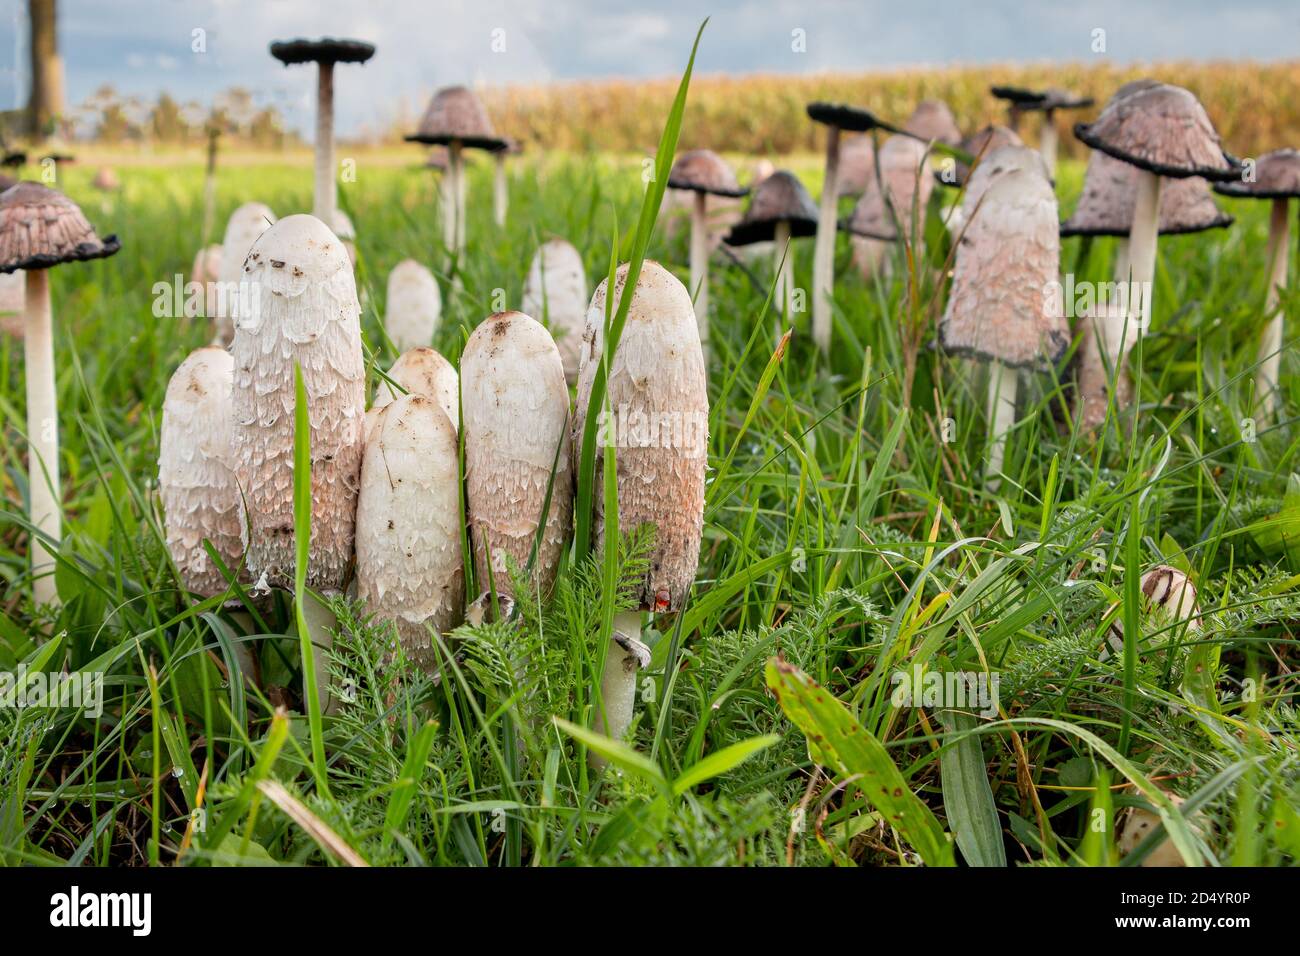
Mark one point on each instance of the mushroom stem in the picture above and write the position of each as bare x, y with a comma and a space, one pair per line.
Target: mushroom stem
451, 197
618, 683
42, 433
1003, 383
1270, 346
1047, 142
461, 190
1142, 251
324, 199
781, 254
824, 251
700, 264
500, 194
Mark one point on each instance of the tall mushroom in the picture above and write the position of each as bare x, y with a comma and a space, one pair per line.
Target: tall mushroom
899, 199
39, 229
1105, 208
1163, 131
515, 410
304, 312
779, 210
657, 395
457, 119
998, 309
242, 229
704, 173
200, 496
837, 118
413, 306
409, 565
1277, 178
421, 371
1046, 102
555, 291
324, 52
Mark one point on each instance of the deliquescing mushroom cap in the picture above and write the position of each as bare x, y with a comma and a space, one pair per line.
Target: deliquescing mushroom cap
457, 115
556, 290
1052, 98
306, 313
933, 120
1277, 176
410, 568
1105, 206
854, 119
857, 169
423, 371
704, 171
780, 197
323, 50
1000, 307
41, 228
516, 419
1163, 129
658, 397
993, 164
905, 176
978, 145
195, 472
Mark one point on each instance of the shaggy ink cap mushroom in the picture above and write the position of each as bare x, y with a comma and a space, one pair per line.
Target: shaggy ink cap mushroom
555, 291
41, 228
978, 145
457, 115
933, 120
779, 198
1046, 100
993, 164
422, 371
904, 174
704, 171
322, 50
1277, 176
1109, 195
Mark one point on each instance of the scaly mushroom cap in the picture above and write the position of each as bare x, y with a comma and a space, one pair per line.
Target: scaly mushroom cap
195, 476
1000, 307
1277, 176
1162, 129
778, 198
660, 406
413, 307
323, 50
1170, 594
1103, 350
409, 564
704, 171
457, 115
305, 311
423, 371
40, 228
994, 163
1139, 822
516, 419
905, 176
556, 292
242, 229
980, 145
857, 169
1110, 194
933, 120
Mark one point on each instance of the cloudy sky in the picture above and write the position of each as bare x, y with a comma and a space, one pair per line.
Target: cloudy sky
145, 46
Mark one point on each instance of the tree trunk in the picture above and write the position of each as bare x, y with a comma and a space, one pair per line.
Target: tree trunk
46, 102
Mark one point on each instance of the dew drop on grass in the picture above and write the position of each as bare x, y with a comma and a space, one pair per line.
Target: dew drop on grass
178, 772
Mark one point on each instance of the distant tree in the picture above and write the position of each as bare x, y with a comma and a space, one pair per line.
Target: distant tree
166, 124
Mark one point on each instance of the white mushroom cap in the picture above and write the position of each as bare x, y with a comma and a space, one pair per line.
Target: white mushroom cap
207, 265
556, 293
246, 223
660, 406
1002, 159
423, 371
413, 307
409, 564
199, 494
306, 312
1139, 822
1008, 260
515, 412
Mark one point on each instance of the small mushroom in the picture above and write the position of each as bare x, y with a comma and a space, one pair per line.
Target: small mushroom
324, 53
457, 119
1138, 823
242, 229
1277, 179
779, 210
1169, 596
409, 563
200, 497
657, 395
704, 173
41, 228
421, 371
413, 307
1163, 131
515, 413
1046, 102
555, 291
998, 309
